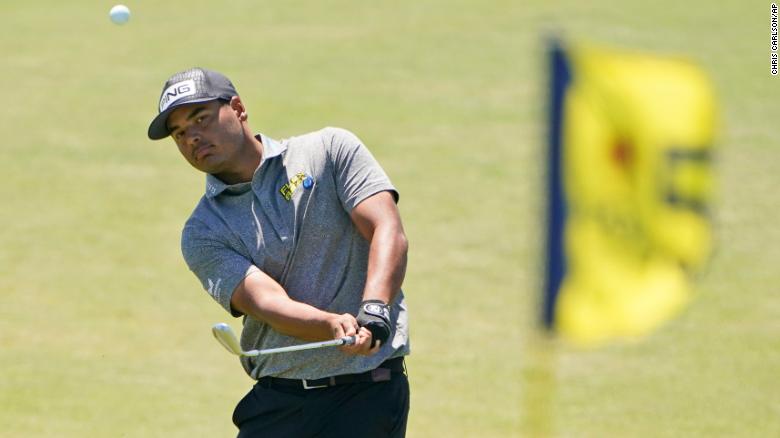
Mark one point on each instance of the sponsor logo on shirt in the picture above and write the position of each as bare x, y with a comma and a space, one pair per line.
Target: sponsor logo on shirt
299, 179
214, 289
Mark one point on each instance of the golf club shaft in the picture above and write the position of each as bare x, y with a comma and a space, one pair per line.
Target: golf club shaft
331, 343
224, 334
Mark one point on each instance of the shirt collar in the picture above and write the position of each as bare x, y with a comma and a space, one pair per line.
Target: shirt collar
271, 149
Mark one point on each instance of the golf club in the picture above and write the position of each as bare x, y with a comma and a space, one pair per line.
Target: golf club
224, 334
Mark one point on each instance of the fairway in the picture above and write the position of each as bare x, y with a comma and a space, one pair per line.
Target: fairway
104, 331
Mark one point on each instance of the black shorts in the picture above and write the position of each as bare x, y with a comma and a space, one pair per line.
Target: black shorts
362, 409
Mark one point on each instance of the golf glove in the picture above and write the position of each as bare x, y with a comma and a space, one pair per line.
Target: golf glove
375, 316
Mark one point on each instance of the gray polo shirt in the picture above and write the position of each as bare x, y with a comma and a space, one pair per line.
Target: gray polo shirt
292, 222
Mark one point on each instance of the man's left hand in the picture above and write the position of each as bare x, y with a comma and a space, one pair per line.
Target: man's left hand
375, 316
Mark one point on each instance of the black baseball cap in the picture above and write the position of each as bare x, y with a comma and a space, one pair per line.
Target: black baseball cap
189, 86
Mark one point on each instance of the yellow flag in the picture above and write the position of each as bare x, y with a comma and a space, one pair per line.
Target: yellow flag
630, 184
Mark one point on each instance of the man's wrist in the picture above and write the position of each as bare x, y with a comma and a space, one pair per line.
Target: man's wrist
319, 326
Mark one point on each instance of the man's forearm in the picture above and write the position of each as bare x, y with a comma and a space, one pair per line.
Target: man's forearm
386, 263
295, 319
266, 301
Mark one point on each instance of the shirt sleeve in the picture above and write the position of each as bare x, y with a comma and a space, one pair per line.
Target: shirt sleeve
218, 267
357, 173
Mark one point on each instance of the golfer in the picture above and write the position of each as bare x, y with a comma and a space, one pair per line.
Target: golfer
301, 237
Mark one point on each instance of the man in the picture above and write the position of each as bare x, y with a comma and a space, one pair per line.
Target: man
303, 238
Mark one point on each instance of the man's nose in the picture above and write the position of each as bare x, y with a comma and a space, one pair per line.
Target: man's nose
193, 137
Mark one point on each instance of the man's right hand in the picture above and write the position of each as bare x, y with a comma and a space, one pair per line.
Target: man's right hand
347, 325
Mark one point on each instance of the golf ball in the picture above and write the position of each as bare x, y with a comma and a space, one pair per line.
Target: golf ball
119, 14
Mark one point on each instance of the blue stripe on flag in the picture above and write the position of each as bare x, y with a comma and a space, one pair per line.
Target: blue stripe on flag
556, 213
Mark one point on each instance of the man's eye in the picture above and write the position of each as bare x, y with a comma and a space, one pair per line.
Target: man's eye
200, 120
177, 135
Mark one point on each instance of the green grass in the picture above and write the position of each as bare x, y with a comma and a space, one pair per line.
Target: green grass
104, 332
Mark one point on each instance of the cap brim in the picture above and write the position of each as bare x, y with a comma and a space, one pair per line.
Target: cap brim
158, 129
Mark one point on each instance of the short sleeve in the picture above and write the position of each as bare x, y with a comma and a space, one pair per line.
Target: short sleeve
218, 267
357, 173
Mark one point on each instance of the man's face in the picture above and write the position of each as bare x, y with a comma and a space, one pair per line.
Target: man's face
209, 135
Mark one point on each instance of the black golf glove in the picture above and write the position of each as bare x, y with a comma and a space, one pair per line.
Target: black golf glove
375, 316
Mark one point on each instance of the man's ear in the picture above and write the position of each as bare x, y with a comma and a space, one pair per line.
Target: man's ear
238, 107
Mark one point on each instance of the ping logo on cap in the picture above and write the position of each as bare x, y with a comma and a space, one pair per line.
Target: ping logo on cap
176, 92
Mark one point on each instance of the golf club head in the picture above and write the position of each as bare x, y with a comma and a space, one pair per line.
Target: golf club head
224, 334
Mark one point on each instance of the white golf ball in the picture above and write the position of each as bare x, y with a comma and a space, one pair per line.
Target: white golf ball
119, 14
